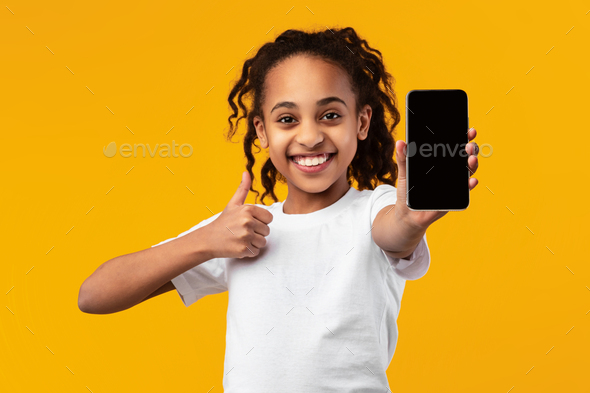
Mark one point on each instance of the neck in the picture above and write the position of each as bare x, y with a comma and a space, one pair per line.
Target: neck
301, 202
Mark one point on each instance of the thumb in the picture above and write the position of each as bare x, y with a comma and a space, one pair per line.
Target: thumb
242, 191
400, 157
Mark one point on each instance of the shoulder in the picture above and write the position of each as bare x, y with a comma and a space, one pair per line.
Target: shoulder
377, 199
368, 198
383, 191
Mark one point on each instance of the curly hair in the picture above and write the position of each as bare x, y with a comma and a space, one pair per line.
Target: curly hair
373, 162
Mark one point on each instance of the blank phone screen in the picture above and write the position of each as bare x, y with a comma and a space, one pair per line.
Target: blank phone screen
436, 135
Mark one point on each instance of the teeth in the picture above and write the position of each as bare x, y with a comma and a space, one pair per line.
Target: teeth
308, 161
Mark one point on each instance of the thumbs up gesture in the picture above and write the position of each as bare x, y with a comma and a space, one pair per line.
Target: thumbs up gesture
240, 230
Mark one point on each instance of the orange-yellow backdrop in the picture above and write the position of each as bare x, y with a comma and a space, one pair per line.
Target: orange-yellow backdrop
505, 304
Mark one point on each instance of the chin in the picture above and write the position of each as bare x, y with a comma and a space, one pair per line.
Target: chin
313, 186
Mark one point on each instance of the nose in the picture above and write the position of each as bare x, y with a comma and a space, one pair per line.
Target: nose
309, 135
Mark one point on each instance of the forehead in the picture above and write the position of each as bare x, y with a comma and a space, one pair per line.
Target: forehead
306, 79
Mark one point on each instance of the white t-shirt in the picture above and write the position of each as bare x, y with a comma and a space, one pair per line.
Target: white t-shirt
316, 310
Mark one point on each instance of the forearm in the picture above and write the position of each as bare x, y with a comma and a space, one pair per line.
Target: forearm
397, 237
126, 280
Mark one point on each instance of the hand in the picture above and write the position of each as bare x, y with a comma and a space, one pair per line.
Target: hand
240, 229
423, 219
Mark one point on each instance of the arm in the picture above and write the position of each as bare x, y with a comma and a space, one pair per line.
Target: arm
397, 229
394, 235
127, 280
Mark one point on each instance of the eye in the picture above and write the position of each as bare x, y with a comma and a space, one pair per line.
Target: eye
285, 117
280, 120
332, 113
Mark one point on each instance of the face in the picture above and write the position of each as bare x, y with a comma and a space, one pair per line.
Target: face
310, 117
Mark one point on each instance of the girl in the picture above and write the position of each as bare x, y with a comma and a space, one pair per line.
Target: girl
315, 282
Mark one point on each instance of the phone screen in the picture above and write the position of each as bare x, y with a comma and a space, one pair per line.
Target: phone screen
437, 123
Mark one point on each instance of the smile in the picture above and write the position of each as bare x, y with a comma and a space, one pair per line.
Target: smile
312, 164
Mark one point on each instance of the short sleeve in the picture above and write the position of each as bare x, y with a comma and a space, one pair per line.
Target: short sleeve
417, 265
383, 195
207, 278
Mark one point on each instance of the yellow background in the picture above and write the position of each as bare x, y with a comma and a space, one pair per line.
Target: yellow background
497, 297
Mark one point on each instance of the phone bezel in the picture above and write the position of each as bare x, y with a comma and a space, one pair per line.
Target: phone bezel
407, 161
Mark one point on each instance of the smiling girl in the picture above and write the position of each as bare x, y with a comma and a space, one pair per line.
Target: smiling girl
314, 282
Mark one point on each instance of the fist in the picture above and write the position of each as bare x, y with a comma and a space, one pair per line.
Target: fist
240, 230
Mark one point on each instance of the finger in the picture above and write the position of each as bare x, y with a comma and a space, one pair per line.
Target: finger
400, 158
242, 191
472, 149
472, 183
251, 251
258, 241
471, 133
400, 155
260, 228
472, 164
261, 214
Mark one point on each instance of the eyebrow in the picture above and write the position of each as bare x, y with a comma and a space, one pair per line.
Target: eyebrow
323, 101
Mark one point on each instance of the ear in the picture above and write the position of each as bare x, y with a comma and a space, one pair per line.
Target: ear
261, 132
364, 122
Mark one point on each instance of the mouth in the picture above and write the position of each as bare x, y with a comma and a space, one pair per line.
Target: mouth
312, 164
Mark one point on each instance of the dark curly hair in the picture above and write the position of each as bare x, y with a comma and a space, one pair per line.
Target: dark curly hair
373, 162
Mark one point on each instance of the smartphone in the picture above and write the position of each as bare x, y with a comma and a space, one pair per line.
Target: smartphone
437, 122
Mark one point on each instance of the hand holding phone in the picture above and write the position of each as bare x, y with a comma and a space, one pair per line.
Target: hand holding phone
422, 219
437, 162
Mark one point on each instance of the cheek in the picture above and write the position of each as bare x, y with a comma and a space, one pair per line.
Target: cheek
348, 146
277, 152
